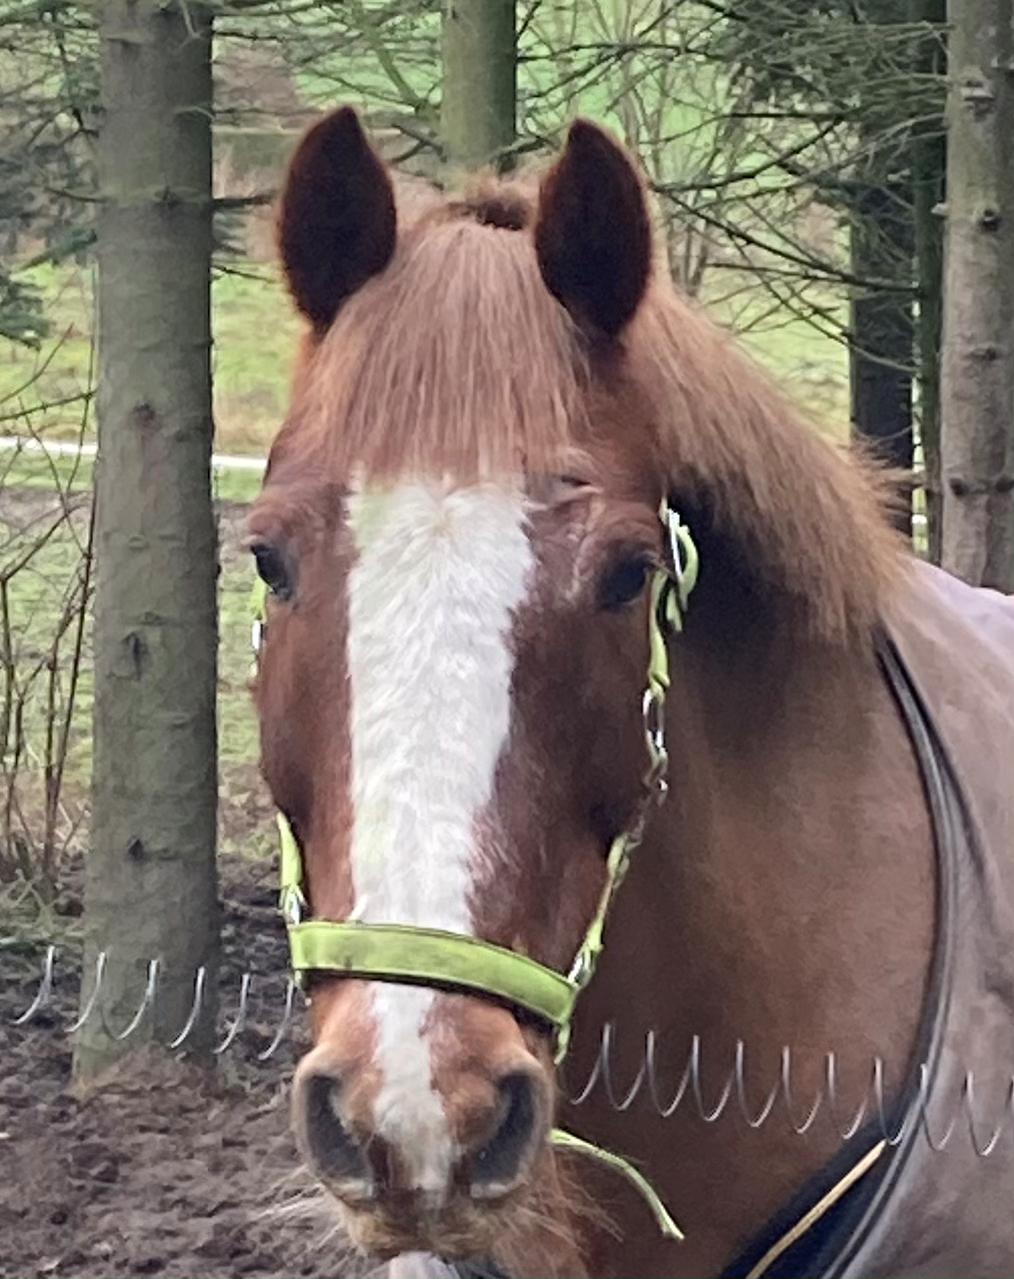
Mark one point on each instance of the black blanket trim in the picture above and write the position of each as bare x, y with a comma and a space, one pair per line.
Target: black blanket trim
832, 1240
810, 1256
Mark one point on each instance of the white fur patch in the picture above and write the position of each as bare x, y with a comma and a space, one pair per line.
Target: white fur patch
438, 576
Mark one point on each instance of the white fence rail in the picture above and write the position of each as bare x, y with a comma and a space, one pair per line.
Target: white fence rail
219, 461
64, 448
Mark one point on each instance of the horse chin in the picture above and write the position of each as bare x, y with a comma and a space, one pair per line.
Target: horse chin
425, 1265
457, 1241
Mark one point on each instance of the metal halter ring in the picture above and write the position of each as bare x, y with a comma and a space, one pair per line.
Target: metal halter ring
653, 712
683, 554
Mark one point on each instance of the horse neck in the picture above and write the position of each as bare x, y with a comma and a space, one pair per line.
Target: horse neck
784, 896
798, 826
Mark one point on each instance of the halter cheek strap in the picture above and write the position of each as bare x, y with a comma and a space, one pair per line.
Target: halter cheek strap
431, 957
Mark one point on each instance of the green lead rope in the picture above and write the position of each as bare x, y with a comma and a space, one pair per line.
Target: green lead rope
616, 1163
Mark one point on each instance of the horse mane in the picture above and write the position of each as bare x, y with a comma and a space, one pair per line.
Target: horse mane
456, 359
808, 517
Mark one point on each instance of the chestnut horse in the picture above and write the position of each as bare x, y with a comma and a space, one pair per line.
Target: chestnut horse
458, 529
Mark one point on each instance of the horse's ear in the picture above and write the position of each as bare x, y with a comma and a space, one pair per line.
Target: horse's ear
336, 222
593, 232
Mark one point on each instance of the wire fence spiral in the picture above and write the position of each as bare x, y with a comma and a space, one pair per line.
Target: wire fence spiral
685, 1090
93, 1007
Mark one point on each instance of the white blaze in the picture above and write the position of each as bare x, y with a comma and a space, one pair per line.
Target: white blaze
438, 575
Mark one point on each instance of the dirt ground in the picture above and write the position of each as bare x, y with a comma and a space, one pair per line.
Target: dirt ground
169, 1170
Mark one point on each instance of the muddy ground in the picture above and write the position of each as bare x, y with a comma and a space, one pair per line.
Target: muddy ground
169, 1170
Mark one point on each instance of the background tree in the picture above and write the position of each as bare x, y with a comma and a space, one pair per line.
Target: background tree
864, 79
48, 91
150, 882
977, 399
479, 82
882, 312
929, 165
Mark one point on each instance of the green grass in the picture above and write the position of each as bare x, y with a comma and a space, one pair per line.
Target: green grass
810, 367
255, 334
40, 561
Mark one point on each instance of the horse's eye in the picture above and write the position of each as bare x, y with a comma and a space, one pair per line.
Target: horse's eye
272, 569
624, 582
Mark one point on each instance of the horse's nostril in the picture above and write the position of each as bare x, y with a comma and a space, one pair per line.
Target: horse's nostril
499, 1165
331, 1149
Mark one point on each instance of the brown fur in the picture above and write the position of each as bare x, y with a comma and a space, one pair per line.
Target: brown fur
459, 351
765, 901
808, 519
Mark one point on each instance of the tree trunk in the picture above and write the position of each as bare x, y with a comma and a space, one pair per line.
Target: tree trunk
479, 94
977, 396
150, 890
882, 323
929, 173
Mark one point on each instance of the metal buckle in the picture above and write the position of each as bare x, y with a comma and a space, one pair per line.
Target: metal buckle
291, 906
581, 970
653, 713
682, 556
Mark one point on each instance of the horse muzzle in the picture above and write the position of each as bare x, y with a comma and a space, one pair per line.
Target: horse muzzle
421, 1139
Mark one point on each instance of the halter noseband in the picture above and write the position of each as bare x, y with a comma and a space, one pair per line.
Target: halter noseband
408, 954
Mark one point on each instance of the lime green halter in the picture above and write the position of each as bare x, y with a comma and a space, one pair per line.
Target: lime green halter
431, 957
